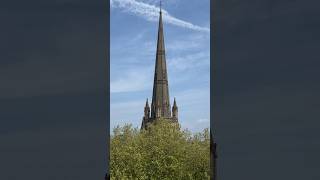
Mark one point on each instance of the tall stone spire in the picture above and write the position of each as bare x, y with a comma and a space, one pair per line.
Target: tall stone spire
160, 106
175, 110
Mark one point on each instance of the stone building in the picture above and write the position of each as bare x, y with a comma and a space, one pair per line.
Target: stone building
160, 105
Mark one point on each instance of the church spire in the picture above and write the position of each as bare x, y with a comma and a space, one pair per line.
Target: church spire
175, 110
147, 110
160, 106
174, 102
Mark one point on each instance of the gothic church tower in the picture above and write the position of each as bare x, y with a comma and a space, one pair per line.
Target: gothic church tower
160, 105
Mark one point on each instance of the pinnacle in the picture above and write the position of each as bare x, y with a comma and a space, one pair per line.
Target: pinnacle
174, 102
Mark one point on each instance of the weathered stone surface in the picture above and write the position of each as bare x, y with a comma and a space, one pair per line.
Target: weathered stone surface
160, 105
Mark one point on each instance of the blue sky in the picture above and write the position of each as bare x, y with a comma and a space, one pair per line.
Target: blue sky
134, 26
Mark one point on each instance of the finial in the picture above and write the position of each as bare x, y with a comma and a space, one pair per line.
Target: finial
147, 103
160, 5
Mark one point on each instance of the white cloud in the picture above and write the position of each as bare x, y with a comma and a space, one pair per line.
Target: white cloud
193, 109
126, 112
151, 13
157, 1
134, 80
140, 77
189, 42
190, 61
193, 97
204, 120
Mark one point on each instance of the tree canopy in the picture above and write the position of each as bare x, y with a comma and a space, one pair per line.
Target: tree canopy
162, 151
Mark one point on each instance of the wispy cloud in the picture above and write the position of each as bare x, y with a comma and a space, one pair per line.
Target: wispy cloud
140, 77
151, 13
126, 112
131, 81
193, 105
204, 120
196, 60
194, 41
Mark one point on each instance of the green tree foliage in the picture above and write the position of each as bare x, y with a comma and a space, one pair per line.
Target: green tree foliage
163, 151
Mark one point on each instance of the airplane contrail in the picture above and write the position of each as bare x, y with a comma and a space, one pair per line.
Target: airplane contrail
151, 13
